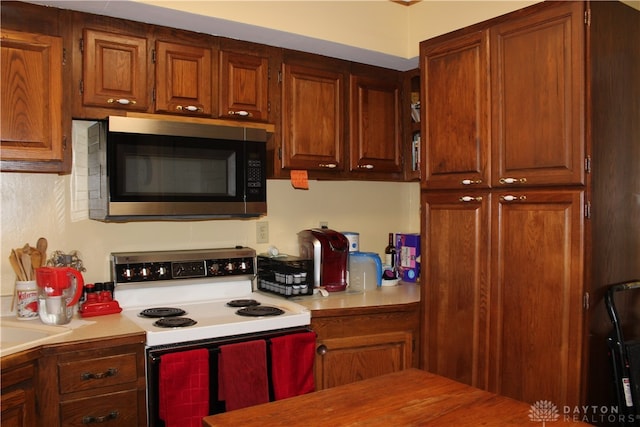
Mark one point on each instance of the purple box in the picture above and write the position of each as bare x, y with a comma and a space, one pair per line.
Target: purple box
408, 256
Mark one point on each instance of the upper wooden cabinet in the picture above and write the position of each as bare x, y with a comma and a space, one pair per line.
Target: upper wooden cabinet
184, 79
114, 70
375, 114
537, 92
455, 109
313, 120
34, 130
244, 86
511, 92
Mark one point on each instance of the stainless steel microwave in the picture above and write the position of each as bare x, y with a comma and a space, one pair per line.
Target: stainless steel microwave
151, 169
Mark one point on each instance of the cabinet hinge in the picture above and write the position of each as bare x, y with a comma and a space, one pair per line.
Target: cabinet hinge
64, 56
279, 76
587, 164
81, 45
153, 94
587, 17
587, 209
268, 106
153, 56
280, 153
81, 86
64, 143
585, 301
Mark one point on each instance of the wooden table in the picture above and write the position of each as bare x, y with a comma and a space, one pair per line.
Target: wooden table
407, 398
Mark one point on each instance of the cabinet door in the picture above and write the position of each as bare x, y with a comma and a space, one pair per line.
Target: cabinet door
376, 134
537, 295
455, 129
114, 71
31, 103
456, 285
183, 79
244, 86
346, 360
537, 73
312, 118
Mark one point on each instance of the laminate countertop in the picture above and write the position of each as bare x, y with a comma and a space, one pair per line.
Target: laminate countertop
403, 293
407, 398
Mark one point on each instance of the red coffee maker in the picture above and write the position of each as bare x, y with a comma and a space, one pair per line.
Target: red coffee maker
329, 250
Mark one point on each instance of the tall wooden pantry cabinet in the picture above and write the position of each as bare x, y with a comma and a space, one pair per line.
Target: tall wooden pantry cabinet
530, 198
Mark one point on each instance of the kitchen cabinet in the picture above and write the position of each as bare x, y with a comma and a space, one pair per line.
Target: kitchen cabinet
313, 113
411, 107
246, 87
359, 343
527, 121
456, 299
375, 130
114, 70
18, 394
99, 381
184, 78
495, 262
519, 273
35, 122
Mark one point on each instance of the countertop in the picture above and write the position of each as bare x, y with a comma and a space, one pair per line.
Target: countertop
407, 398
112, 325
403, 293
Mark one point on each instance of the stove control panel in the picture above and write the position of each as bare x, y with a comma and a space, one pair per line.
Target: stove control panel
157, 266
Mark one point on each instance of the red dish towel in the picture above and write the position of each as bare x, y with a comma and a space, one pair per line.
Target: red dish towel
292, 364
242, 374
184, 388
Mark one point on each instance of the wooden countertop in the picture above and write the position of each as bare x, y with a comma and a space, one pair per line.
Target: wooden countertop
407, 398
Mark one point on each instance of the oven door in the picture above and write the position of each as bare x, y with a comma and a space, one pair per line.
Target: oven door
159, 407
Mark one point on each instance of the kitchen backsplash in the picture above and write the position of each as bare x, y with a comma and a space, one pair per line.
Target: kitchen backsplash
47, 205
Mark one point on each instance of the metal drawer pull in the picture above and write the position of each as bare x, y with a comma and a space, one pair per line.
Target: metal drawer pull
365, 166
512, 180
470, 181
101, 419
100, 375
239, 113
321, 350
189, 108
510, 198
470, 199
328, 165
121, 101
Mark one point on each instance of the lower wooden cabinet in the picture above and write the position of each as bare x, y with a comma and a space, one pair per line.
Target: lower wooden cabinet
98, 382
18, 395
355, 344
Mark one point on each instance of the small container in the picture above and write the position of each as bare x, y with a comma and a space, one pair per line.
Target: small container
27, 296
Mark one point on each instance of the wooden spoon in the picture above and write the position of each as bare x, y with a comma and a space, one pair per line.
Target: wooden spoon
17, 266
26, 265
41, 245
36, 260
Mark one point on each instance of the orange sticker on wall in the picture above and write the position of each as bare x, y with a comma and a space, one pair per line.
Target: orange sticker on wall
300, 179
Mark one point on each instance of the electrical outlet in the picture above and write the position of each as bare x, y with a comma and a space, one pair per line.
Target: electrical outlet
262, 232
324, 224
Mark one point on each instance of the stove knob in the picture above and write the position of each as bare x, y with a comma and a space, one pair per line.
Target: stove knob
127, 273
162, 271
243, 266
145, 272
229, 267
214, 269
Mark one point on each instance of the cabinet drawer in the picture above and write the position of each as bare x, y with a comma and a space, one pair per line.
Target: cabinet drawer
88, 374
114, 409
